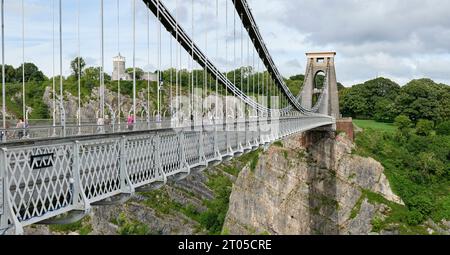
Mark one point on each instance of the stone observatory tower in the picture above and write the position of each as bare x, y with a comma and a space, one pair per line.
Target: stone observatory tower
119, 68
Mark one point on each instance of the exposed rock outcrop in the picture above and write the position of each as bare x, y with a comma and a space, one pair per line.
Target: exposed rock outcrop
90, 105
293, 191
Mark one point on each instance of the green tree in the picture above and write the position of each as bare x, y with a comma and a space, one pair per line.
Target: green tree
382, 99
92, 74
430, 166
443, 109
319, 80
139, 72
424, 127
385, 110
10, 73
354, 104
77, 68
423, 99
298, 77
32, 73
421, 206
443, 128
340, 86
403, 123
361, 100
295, 84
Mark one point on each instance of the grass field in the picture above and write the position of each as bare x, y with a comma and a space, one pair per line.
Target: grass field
365, 124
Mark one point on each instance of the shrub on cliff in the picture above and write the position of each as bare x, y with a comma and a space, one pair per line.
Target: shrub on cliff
424, 127
443, 128
417, 168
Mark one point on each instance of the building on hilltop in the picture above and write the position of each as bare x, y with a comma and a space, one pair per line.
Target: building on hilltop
149, 77
120, 72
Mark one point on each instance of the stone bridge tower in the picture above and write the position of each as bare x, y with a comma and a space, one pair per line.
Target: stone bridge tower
321, 62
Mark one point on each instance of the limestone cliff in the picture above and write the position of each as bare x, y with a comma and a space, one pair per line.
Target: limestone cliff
319, 191
90, 105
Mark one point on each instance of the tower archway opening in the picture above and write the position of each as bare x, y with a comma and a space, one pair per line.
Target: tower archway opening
319, 79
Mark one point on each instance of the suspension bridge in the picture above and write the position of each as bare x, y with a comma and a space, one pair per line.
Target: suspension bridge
55, 173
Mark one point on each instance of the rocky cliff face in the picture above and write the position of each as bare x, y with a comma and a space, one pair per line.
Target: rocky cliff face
90, 106
319, 191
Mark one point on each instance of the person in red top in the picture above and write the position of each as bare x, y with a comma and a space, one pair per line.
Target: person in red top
130, 122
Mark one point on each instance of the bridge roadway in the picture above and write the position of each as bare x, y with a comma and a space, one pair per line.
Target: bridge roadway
86, 129
44, 178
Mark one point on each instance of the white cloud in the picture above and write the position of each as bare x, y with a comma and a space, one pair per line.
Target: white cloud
399, 39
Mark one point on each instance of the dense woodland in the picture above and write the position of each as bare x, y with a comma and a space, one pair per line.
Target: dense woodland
383, 100
417, 164
415, 150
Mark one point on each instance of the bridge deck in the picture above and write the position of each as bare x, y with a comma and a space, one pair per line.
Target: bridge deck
42, 179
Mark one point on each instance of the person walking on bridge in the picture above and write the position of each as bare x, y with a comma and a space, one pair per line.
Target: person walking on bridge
100, 125
26, 126
130, 122
20, 128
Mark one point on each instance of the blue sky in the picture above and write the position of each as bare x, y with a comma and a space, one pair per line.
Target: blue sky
399, 39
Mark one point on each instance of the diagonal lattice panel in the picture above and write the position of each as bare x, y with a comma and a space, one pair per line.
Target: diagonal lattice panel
222, 142
208, 145
233, 140
192, 147
253, 134
140, 164
255, 137
39, 179
100, 168
241, 138
170, 151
